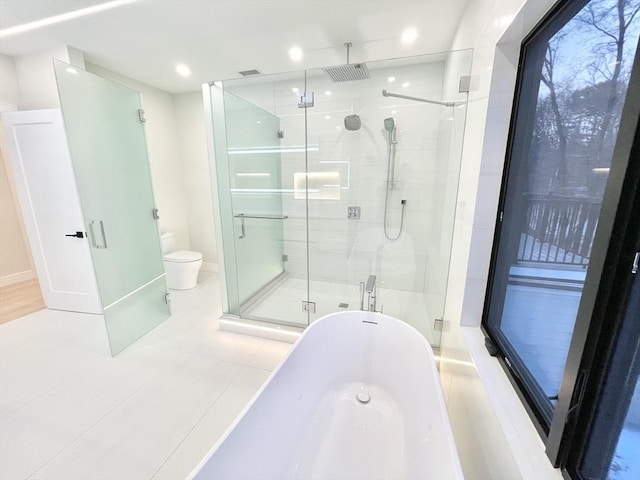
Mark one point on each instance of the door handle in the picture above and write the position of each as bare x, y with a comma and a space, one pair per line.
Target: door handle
77, 235
103, 243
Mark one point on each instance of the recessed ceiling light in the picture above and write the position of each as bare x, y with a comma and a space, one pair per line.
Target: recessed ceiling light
391, 79
327, 117
295, 89
72, 70
405, 84
295, 53
409, 36
328, 92
183, 70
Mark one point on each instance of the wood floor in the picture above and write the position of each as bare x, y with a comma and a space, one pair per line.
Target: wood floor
20, 299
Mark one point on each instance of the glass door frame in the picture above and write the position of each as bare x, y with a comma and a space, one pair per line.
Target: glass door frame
602, 290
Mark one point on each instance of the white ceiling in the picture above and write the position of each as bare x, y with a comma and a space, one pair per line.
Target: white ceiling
145, 39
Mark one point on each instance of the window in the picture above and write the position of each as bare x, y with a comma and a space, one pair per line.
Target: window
567, 162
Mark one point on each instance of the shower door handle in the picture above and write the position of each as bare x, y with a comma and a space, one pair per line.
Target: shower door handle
242, 216
92, 230
263, 217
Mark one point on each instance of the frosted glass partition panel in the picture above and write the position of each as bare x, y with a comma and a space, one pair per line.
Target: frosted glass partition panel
393, 162
107, 142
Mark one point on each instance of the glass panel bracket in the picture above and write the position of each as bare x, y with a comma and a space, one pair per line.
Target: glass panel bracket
305, 100
309, 307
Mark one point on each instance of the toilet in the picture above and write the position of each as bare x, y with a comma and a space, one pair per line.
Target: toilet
182, 266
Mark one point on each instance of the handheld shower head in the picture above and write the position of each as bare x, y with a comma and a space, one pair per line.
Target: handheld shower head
390, 127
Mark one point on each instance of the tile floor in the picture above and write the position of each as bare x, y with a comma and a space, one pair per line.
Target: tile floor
70, 411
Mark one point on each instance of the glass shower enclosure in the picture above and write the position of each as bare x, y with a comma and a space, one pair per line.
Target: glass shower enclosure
336, 189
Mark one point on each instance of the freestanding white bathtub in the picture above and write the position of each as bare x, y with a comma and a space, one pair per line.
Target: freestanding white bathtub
358, 397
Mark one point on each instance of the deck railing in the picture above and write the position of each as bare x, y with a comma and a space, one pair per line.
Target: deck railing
559, 230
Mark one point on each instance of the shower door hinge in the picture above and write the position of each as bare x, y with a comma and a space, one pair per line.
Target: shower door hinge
141, 116
636, 263
154, 212
438, 323
305, 100
309, 307
280, 133
501, 215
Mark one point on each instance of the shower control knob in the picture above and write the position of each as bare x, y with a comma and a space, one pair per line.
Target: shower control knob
77, 235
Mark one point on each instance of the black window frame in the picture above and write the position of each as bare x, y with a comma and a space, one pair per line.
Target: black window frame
603, 287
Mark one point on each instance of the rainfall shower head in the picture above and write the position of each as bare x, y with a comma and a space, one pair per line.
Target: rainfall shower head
348, 72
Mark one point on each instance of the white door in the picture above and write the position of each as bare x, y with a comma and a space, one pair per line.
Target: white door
36, 147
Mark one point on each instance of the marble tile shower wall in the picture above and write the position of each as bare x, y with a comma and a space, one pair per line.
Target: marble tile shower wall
344, 250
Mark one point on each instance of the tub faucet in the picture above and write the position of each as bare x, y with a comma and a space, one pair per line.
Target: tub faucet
369, 292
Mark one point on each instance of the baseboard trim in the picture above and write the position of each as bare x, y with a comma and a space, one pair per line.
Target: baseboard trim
209, 267
17, 278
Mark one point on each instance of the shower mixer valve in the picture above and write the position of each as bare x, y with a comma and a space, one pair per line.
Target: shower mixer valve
353, 213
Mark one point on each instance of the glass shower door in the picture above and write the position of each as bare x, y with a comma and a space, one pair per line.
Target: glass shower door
259, 146
106, 139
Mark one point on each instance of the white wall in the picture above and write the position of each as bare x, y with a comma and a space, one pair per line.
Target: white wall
10, 94
494, 70
165, 157
189, 116
16, 264
37, 79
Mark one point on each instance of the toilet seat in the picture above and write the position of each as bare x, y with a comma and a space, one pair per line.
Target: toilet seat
183, 256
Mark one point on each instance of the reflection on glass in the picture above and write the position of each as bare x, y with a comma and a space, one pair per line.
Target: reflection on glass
625, 463
583, 78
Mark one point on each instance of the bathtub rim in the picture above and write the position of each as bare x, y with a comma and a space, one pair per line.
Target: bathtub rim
371, 316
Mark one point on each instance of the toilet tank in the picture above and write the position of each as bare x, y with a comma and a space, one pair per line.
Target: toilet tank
168, 240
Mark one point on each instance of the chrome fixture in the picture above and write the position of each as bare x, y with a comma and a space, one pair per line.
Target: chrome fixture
94, 237
390, 127
348, 72
368, 291
392, 142
353, 213
387, 93
242, 216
